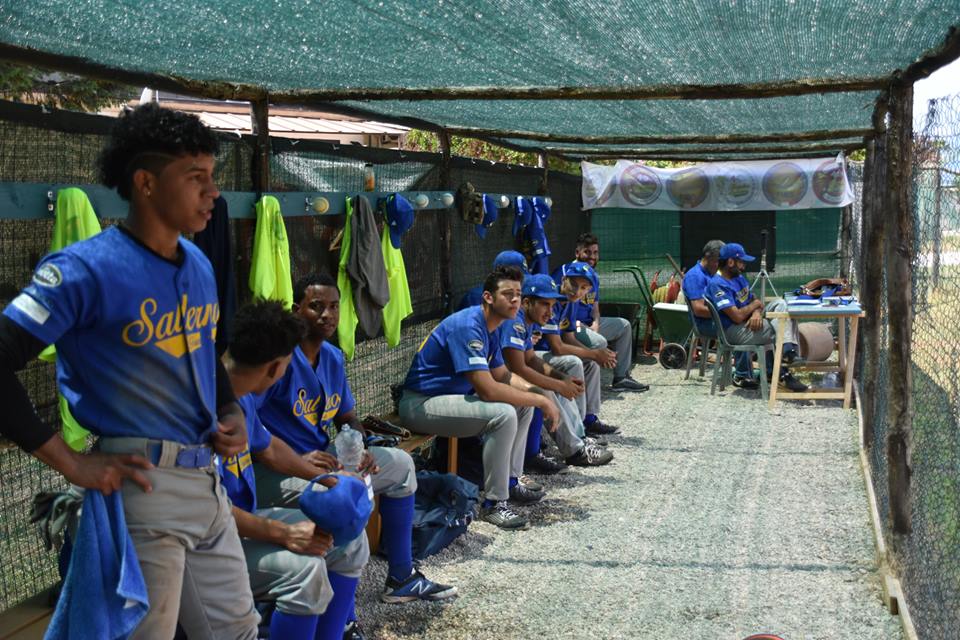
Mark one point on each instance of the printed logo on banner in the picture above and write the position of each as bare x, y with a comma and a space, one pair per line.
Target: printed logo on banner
785, 184
688, 188
598, 186
828, 182
735, 186
639, 185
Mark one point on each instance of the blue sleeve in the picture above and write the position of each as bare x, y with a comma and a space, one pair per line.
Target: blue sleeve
509, 338
720, 296
347, 403
496, 357
468, 349
694, 287
258, 438
62, 295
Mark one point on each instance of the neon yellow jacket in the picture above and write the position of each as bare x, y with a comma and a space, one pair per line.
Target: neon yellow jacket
347, 328
74, 220
270, 264
399, 306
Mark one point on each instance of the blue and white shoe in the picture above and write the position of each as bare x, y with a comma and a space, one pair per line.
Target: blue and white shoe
416, 587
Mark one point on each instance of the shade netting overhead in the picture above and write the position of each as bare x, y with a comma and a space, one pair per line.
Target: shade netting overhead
500, 67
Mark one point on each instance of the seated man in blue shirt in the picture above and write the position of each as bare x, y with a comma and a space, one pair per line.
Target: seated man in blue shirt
695, 284
474, 296
458, 386
305, 408
540, 293
559, 340
740, 312
291, 563
600, 332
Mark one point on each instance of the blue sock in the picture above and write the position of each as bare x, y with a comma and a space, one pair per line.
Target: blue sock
744, 364
331, 623
589, 420
396, 528
533, 435
513, 482
286, 625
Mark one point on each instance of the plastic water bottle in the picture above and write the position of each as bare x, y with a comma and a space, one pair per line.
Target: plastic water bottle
350, 451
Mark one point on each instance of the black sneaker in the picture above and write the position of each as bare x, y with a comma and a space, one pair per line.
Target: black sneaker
627, 383
597, 428
790, 383
353, 631
499, 514
590, 456
745, 382
531, 484
541, 463
416, 587
793, 357
524, 495
599, 441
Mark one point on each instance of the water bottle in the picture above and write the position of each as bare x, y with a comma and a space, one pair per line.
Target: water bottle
350, 451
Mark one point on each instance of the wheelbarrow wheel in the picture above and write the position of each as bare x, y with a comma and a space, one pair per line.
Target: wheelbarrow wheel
673, 356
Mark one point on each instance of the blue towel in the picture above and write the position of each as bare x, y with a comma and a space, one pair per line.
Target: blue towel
104, 596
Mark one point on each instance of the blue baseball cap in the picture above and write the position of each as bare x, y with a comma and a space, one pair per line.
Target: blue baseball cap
490, 213
341, 510
523, 215
510, 259
399, 218
541, 208
734, 250
541, 285
577, 270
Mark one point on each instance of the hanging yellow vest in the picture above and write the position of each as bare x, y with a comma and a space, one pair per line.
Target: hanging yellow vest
270, 263
399, 306
74, 220
347, 328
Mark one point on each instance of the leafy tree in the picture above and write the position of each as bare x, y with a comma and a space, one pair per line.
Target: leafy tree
59, 90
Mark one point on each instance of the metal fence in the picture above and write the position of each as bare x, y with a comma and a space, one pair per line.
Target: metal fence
928, 559
64, 149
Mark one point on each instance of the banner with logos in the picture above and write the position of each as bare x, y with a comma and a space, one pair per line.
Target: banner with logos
748, 185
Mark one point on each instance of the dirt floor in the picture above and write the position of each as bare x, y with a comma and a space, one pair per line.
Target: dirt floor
717, 519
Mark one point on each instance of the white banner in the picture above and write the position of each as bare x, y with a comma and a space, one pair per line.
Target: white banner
749, 185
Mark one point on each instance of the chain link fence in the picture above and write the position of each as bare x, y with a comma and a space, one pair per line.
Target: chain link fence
928, 559
51, 153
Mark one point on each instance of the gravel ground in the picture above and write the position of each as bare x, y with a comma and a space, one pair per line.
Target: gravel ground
716, 519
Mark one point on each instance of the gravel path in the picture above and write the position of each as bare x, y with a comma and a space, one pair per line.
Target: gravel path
717, 519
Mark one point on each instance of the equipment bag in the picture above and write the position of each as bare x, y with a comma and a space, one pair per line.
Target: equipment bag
444, 508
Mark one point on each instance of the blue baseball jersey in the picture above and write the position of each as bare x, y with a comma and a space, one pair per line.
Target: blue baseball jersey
695, 283
728, 293
517, 334
236, 472
301, 407
460, 343
471, 298
134, 334
586, 304
563, 320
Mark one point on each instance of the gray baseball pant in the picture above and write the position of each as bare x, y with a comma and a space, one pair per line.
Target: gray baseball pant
503, 427
189, 550
586, 370
298, 583
568, 442
790, 332
397, 478
615, 333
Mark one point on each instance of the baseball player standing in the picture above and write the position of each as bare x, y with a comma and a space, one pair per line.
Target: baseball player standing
133, 313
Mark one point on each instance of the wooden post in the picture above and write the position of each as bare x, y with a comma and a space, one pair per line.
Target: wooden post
259, 115
899, 254
871, 269
446, 230
543, 162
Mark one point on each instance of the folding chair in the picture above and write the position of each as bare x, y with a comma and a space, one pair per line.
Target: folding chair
725, 352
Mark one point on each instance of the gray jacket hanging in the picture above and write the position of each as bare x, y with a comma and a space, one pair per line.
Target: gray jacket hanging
368, 273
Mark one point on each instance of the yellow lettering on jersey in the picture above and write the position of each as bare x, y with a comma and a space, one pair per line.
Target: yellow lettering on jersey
305, 407
332, 408
236, 465
743, 294
175, 331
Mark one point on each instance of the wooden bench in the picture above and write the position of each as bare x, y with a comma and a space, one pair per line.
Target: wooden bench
417, 442
28, 620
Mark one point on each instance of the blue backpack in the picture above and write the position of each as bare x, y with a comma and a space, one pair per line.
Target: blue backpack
444, 507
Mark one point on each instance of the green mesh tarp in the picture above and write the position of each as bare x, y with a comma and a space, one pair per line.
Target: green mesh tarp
303, 50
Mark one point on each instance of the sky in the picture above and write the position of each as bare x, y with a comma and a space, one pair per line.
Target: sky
943, 82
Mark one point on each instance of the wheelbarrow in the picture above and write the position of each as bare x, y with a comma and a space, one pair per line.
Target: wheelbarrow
670, 319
